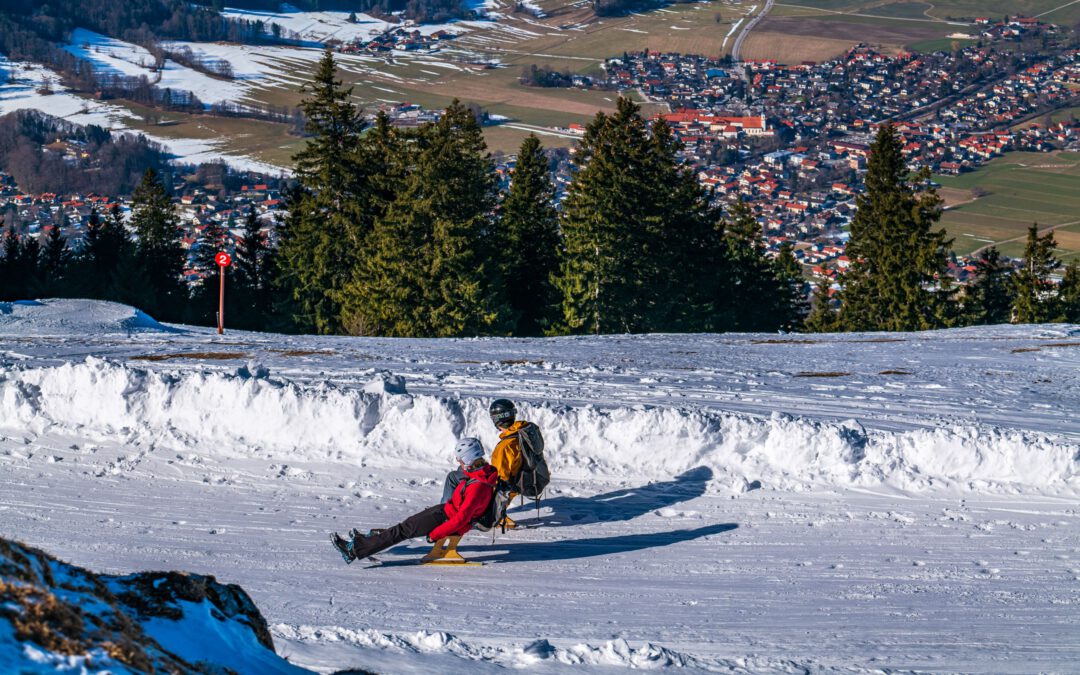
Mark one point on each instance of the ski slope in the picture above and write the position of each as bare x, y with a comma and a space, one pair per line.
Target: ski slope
722, 503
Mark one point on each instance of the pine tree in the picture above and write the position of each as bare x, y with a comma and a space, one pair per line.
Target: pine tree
1069, 292
754, 295
897, 259
643, 247
332, 220
204, 305
1035, 301
13, 278
431, 268
159, 255
54, 264
790, 304
823, 317
252, 273
989, 298
530, 241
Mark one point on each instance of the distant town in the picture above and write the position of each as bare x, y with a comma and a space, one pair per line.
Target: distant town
790, 140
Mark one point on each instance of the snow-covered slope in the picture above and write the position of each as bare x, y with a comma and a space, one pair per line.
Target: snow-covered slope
735, 503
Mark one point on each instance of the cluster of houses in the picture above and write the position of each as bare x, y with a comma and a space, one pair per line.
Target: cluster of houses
196, 207
793, 140
397, 38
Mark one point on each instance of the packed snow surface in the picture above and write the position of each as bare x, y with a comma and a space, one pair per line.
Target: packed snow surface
727, 503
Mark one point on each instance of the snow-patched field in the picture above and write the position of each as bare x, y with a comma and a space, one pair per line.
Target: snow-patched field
722, 503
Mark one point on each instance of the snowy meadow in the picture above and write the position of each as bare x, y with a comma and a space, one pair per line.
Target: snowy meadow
721, 503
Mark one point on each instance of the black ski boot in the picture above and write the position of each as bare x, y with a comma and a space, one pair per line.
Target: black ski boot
344, 547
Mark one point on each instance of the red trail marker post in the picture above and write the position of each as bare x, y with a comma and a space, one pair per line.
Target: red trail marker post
223, 260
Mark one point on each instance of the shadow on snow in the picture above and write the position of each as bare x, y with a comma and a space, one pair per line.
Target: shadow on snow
569, 549
624, 504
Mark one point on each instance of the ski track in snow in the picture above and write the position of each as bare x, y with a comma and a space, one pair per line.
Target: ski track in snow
926, 521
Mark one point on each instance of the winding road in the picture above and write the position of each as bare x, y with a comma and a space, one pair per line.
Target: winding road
737, 47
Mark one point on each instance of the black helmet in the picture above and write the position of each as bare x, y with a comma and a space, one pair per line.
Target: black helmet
502, 412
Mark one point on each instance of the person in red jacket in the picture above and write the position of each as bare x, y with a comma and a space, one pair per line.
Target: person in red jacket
469, 501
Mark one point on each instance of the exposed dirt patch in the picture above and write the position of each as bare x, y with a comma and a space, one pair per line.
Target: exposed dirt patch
304, 352
520, 362
785, 342
894, 372
1021, 350
807, 373
199, 356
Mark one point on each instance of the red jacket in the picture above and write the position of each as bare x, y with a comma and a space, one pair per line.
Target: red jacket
469, 501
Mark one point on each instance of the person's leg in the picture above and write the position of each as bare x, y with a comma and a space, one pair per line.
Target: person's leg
453, 479
416, 525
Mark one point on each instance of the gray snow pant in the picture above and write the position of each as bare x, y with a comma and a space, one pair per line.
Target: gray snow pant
416, 525
453, 479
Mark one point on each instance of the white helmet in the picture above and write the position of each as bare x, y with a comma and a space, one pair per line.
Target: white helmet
468, 450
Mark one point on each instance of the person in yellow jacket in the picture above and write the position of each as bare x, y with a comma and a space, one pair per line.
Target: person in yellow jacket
507, 457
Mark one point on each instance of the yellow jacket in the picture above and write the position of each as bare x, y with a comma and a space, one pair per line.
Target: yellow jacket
506, 457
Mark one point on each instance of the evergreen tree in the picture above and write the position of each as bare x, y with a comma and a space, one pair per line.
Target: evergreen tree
333, 218
897, 259
1035, 301
203, 308
790, 304
989, 298
54, 264
643, 248
1069, 292
530, 246
252, 273
15, 274
753, 289
159, 255
823, 317
431, 268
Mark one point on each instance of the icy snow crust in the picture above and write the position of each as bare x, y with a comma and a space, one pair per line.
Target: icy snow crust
721, 503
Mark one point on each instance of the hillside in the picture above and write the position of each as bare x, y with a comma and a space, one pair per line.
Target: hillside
741, 502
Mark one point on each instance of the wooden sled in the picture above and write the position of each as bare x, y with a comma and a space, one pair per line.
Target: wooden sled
445, 553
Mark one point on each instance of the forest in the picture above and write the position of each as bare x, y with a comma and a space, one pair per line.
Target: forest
101, 161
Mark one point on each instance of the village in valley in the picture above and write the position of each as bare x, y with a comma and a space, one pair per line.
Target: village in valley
791, 140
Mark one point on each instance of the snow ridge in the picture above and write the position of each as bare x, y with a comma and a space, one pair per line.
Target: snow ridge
247, 412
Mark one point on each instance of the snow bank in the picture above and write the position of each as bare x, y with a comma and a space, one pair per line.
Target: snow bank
249, 412
39, 318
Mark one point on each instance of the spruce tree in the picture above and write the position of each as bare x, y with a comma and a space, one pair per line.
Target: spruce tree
1035, 300
790, 304
530, 244
13, 269
823, 316
989, 297
897, 259
753, 293
431, 268
252, 274
203, 308
159, 254
642, 246
332, 219
1069, 292
54, 264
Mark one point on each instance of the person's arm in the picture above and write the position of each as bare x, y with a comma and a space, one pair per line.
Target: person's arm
477, 498
502, 460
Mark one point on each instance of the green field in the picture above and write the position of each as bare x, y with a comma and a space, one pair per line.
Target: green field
1055, 11
1023, 188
